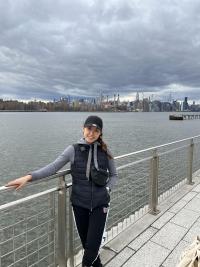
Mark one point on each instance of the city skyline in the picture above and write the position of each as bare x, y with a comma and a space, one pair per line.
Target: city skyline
83, 48
102, 103
115, 96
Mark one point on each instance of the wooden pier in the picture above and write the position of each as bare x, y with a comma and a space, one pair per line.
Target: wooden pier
184, 116
190, 117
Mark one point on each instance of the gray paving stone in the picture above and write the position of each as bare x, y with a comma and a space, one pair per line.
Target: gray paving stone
121, 258
198, 195
175, 197
189, 196
150, 255
185, 218
106, 255
194, 204
178, 206
163, 220
173, 258
169, 236
128, 235
196, 188
194, 231
143, 238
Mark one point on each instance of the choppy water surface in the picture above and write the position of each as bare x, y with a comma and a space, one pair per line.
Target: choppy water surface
31, 140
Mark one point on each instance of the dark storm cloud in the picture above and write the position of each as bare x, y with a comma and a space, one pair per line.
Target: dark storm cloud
54, 48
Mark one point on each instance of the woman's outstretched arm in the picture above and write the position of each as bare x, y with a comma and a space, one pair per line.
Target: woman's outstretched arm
50, 169
20, 182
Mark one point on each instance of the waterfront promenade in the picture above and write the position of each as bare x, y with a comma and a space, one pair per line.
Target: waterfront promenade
158, 241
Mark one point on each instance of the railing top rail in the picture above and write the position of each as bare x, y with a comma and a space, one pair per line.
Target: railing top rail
155, 147
25, 199
58, 174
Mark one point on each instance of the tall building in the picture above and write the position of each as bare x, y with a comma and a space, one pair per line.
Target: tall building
185, 104
145, 102
118, 101
137, 96
114, 100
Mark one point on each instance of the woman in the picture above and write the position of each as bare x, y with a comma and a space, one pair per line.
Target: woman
91, 184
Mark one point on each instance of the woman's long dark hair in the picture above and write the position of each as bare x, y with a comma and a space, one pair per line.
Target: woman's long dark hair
104, 146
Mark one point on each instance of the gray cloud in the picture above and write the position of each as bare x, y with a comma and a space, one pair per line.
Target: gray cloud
50, 49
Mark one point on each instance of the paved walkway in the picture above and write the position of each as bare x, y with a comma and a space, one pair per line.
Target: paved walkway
158, 241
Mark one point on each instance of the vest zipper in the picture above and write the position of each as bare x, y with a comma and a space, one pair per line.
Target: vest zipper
91, 196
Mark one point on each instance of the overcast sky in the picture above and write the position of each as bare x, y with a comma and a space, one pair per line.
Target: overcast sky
50, 49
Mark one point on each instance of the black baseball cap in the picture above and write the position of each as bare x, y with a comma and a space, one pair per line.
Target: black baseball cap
94, 121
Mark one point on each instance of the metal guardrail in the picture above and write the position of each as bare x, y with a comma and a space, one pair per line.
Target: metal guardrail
38, 229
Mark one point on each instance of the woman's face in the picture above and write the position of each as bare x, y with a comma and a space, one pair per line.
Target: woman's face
91, 134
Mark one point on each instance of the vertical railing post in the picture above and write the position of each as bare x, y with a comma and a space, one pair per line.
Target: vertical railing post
190, 162
62, 261
153, 188
70, 230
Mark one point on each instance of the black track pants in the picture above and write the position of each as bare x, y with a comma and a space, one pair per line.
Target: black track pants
90, 225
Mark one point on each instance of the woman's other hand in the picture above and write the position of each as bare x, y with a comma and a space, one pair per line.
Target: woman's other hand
20, 182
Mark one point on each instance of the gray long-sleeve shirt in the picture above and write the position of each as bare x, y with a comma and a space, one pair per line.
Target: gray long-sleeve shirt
67, 156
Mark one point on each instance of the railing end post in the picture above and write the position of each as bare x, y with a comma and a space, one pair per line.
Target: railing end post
153, 185
190, 162
190, 182
154, 211
62, 260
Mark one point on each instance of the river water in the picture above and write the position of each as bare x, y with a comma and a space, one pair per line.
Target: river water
31, 140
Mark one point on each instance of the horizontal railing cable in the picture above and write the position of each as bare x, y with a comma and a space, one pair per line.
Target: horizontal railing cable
155, 147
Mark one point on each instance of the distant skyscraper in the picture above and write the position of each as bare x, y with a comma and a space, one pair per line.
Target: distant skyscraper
185, 104
170, 97
118, 101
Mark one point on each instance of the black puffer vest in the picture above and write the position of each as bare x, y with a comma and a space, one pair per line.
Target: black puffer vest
84, 192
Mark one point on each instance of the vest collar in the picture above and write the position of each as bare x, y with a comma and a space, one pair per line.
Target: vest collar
82, 141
